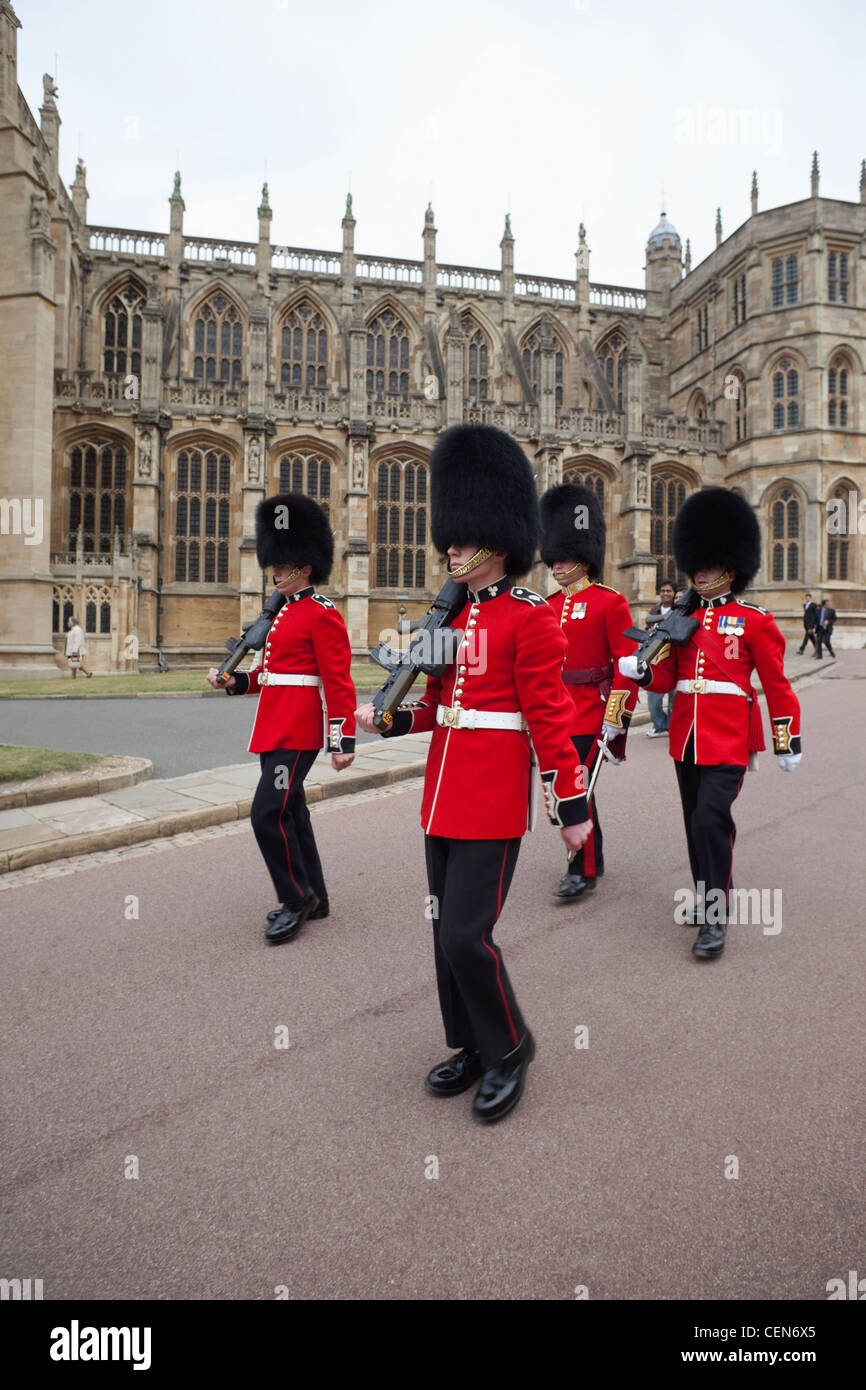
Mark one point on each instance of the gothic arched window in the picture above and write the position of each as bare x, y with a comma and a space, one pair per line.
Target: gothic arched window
838, 392
218, 339
838, 551
97, 494
668, 495
837, 277
785, 537
121, 338
532, 365
304, 350
587, 477
202, 516
735, 390
476, 361
401, 524
611, 357
387, 357
309, 473
786, 391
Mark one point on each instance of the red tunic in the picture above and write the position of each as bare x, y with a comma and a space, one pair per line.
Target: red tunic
593, 619
307, 637
477, 781
750, 641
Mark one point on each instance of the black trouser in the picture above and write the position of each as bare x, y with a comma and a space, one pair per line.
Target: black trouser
590, 857
707, 794
281, 824
469, 882
809, 636
824, 635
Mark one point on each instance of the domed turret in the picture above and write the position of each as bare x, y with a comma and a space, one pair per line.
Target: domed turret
664, 254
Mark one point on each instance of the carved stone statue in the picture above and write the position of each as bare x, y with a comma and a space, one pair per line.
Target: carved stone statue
641, 483
39, 219
582, 253
254, 460
49, 91
144, 455
358, 466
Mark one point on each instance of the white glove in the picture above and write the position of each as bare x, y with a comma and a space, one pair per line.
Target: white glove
788, 761
612, 730
628, 667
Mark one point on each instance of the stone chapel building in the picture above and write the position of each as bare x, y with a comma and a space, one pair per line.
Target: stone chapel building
155, 385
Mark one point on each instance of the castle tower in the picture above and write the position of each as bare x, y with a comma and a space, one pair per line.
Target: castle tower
664, 254
26, 370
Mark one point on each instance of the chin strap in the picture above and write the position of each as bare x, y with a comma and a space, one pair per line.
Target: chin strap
718, 586
290, 578
570, 575
472, 564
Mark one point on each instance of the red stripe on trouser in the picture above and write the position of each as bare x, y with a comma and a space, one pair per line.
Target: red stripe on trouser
733, 833
489, 947
282, 831
589, 844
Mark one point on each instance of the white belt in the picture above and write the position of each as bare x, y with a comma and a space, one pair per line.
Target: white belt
455, 717
702, 687
273, 678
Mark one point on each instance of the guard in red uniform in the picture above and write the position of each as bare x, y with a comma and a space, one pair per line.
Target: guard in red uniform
715, 727
306, 702
503, 687
593, 619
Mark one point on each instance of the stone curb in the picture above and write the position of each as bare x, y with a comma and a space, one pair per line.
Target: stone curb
178, 821
77, 784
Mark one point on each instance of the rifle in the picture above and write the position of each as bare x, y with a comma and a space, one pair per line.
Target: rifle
675, 627
432, 648
253, 639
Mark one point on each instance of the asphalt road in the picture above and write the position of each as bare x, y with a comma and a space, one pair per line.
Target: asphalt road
304, 1166
178, 736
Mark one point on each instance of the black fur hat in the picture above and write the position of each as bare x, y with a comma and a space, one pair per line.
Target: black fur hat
563, 537
482, 492
292, 529
718, 527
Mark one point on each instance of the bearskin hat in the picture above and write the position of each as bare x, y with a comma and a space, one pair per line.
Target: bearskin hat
482, 492
718, 527
292, 529
567, 534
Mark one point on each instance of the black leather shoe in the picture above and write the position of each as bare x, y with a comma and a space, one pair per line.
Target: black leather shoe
502, 1084
455, 1076
323, 910
573, 886
710, 942
290, 919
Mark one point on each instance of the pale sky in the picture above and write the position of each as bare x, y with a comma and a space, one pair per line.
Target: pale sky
557, 111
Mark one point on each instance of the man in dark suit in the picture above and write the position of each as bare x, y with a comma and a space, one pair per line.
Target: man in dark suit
810, 622
824, 629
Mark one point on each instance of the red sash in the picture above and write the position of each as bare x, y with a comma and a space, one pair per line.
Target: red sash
711, 645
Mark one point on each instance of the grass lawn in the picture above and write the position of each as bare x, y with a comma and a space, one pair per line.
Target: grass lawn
364, 676
17, 764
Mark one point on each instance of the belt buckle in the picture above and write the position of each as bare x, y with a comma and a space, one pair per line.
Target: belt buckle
698, 687
451, 717
263, 678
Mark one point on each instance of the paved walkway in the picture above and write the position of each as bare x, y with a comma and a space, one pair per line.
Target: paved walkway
39, 834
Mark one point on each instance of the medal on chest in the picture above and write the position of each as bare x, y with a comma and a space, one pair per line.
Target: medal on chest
731, 625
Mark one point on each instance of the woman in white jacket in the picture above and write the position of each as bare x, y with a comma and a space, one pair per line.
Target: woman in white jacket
75, 648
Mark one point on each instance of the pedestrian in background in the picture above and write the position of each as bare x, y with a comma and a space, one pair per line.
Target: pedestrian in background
824, 628
76, 651
660, 719
810, 621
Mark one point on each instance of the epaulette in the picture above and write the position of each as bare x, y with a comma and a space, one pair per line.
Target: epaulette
756, 606
608, 587
320, 598
527, 596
